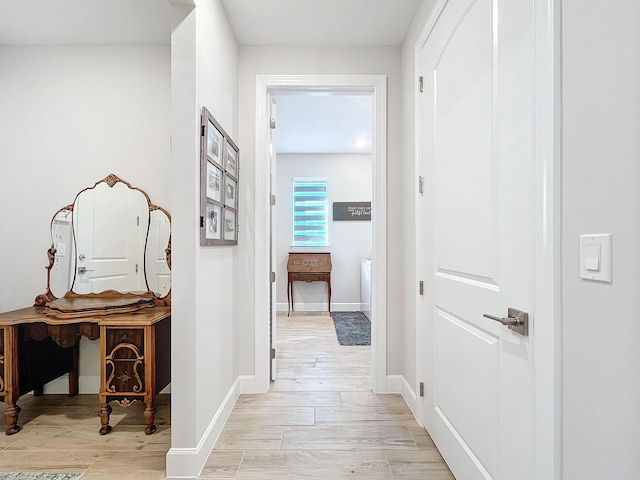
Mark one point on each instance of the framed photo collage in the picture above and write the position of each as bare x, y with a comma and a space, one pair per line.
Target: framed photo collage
219, 174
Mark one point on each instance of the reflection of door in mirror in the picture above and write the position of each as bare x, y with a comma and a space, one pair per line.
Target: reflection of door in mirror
157, 270
110, 226
64, 264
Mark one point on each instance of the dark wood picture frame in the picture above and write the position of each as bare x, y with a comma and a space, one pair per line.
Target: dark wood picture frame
219, 174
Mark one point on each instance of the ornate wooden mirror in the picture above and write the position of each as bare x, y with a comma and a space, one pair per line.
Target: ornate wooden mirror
111, 251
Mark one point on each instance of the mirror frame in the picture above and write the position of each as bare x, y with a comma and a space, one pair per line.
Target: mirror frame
46, 297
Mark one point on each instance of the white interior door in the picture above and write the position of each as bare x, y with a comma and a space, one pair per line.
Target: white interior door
478, 234
110, 225
272, 239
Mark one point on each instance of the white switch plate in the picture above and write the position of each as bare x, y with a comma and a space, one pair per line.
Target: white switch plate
600, 243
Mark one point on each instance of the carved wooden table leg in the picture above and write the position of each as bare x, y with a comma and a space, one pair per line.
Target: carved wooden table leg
11, 415
150, 416
9, 372
105, 413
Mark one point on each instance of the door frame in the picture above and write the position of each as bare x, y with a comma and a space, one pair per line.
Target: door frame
547, 313
376, 85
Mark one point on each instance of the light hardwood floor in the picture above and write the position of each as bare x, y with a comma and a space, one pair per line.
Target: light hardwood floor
320, 420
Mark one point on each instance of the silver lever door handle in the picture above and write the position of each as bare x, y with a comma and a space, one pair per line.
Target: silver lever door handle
503, 320
516, 320
82, 270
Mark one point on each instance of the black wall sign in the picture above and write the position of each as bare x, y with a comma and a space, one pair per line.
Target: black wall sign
351, 211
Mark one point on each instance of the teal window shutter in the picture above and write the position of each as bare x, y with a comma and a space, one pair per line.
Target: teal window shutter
310, 225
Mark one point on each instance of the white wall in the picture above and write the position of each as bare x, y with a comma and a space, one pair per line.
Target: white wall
601, 331
348, 180
316, 61
204, 57
69, 116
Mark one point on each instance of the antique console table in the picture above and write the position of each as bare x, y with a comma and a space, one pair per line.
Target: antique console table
135, 357
123, 298
308, 267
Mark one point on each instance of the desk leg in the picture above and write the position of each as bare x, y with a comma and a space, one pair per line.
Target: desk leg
9, 373
11, 415
105, 414
150, 416
329, 291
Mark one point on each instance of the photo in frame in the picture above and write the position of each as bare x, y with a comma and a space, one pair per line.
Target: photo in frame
231, 165
230, 192
213, 222
219, 181
230, 225
214, 182
214, 143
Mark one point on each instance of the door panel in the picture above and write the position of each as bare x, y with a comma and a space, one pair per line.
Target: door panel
467, 406
465, 203
477, 217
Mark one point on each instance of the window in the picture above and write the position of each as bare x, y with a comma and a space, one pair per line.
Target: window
310, 212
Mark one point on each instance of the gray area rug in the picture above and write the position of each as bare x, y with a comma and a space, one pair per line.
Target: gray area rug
39, 476
352, 328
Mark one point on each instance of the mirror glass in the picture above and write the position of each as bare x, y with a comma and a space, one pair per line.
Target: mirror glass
63, 268
111, 238
157, 268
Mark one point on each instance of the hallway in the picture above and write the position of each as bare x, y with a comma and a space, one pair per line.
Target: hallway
321, 420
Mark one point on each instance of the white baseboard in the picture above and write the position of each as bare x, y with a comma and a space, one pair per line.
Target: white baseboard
399, 384
189, 462
321, 307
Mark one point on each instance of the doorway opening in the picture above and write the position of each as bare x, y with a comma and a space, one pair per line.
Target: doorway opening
269, 87
322, 182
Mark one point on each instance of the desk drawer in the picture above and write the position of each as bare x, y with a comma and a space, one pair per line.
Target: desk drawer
310, 277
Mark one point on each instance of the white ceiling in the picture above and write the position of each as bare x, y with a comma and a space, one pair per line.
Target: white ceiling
255, 22
308, 123
320, 22
314, 123
85, 22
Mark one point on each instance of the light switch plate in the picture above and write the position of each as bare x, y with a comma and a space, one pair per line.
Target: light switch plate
595, 250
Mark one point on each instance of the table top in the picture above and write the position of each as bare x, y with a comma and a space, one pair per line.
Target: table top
300, 262
148, 316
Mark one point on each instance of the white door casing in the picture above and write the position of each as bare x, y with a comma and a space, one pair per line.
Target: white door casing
272, 228
267, 85
486, 229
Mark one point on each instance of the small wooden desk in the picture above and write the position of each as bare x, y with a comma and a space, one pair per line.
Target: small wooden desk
308, 267
135, 357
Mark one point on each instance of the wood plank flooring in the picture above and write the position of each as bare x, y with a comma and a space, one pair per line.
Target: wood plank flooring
319, 421
60, 434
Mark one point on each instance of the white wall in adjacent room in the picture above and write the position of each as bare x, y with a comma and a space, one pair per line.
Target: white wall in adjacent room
348, 180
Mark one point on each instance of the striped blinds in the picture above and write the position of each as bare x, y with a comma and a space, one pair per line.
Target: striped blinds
310, 212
